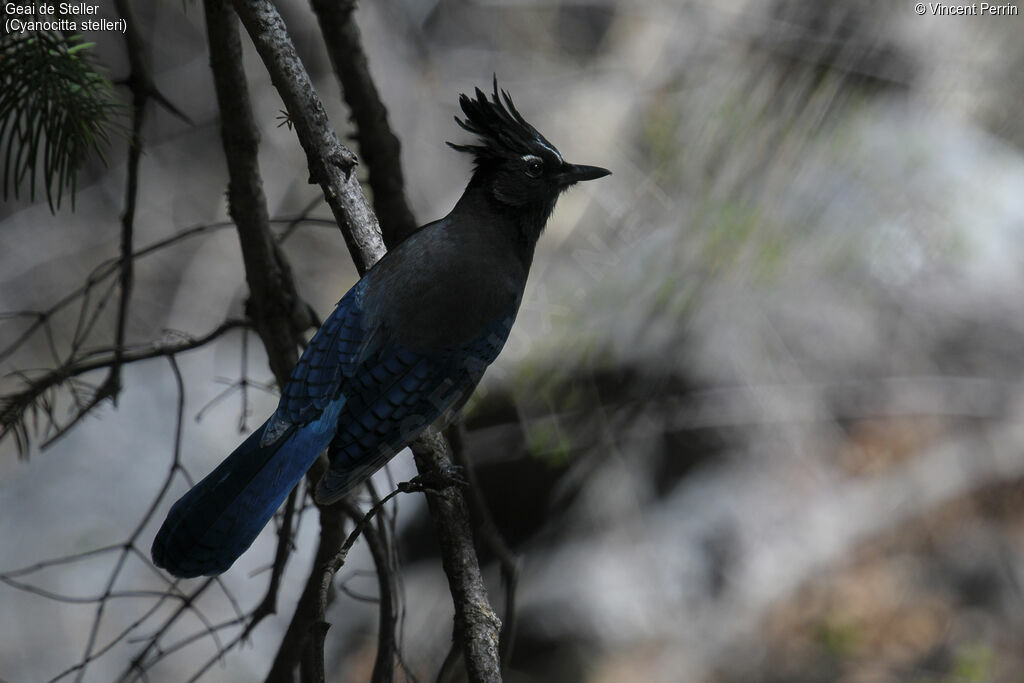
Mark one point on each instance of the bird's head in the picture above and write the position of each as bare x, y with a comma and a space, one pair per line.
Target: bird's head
519, 167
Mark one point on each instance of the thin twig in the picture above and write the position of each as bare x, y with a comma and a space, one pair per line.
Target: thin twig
377, 542
140, 83
14, 406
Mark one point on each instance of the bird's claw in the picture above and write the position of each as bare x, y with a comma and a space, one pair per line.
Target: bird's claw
435, 481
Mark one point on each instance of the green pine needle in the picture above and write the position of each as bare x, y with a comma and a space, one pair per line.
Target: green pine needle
55, 109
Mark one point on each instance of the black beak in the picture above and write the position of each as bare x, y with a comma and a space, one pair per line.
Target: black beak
571, 174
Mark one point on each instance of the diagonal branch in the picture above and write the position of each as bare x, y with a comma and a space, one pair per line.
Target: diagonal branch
477, 627
301, 626
273, 301
274, 306
331, 165
141, 84
377, 542
378, 146
14, 407
490, 536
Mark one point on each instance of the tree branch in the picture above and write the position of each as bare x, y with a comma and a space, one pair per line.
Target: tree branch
14, 406
476, 624
111, 387
379, 148
274, 306
377, 542
300, 628
330, 164
491, 537
273, 303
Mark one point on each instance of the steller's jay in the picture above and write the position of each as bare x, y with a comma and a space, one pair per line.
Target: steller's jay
403, 349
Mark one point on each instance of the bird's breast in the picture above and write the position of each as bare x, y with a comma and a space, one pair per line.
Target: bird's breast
440, 305
454, 309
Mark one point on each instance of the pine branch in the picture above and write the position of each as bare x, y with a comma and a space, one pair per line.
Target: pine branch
56, 108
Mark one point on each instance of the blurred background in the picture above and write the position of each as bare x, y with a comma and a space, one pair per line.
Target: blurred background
762, 416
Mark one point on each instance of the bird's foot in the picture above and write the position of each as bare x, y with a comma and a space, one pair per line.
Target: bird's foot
435, 481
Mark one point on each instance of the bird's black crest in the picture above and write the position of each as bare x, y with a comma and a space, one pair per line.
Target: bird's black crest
500, 128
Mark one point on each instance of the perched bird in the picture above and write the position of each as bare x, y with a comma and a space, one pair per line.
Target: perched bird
403, 349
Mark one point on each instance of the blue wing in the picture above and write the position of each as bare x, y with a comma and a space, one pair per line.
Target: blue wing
219, 518
354, 391
395, 395
333, 354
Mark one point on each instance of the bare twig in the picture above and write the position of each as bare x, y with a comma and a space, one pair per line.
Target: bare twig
138, 75
296, 637
307, 628
104, 271
101, 603
376, 541
14, 406
123, 551
140, 80
285, 534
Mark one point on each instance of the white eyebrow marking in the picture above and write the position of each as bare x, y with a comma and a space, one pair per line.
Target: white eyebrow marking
531, 157
552, 150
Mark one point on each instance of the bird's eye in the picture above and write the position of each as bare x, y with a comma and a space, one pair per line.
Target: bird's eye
534, 168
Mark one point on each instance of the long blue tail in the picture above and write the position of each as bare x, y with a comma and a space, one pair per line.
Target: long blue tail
220, 517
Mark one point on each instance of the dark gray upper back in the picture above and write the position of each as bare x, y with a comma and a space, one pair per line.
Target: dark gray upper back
444, 284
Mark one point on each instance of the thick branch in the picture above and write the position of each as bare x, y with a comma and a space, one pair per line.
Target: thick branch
274, 305
273, 302
476, 624
378, 146
490, 536
330, 164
